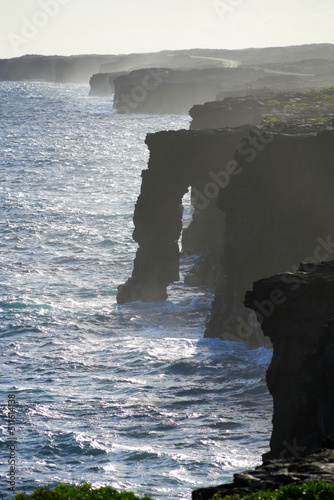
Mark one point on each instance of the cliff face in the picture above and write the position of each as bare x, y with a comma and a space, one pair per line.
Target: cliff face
278, 210
28, 68
293, 309
265, 106
312, 63
60, 69
178, 160
174, 91
203, 239
197, 76
278, 178
231, 112
102, 84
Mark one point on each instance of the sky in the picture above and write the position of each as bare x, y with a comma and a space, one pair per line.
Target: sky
66, 27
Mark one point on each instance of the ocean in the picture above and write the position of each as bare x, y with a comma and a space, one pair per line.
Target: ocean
128, 395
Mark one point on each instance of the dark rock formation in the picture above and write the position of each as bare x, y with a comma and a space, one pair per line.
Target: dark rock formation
203, 240
260, 231
175, 91
317, 466
102, 84
278, 212
253, 109
178, 160
293, 309
232, 112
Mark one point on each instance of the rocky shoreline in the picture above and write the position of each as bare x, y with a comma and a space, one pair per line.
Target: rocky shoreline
317, 466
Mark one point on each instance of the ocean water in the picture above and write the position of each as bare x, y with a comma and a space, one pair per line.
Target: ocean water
127, 395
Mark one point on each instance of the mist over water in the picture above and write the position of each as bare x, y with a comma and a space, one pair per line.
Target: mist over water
131, 395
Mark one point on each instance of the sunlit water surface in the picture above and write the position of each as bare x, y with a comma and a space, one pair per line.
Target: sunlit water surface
131, 395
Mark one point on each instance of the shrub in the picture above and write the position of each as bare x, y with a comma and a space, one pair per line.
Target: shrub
83, 492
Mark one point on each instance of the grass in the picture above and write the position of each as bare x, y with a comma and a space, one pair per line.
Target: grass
83, 492
310, 490
323, 119
316, 100
326, 98
314, 106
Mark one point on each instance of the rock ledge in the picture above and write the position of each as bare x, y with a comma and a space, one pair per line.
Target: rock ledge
317, 466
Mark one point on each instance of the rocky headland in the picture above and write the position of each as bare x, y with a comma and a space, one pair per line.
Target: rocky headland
102, 84
248, 219
167, 91
259, 164
280, 68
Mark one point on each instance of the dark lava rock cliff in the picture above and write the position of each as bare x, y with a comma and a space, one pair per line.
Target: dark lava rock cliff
295, 311
277, 211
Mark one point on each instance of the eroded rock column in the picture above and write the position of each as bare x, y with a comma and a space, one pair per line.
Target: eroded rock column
158, 225
179, 160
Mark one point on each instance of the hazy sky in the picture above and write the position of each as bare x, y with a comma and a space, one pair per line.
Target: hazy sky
123, 26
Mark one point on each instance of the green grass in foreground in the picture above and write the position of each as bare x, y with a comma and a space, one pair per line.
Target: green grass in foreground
310, 490
83, 492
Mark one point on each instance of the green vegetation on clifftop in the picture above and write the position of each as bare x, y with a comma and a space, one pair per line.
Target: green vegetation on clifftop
312, 106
